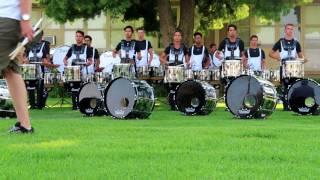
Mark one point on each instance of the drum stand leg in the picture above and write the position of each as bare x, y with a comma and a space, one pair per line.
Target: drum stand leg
62, 100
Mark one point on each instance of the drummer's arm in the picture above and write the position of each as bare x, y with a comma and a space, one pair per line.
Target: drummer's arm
263, 64
301, 56
97, 62
89, 62
207, 64
151, 55
187, 59
163, 58
275, 55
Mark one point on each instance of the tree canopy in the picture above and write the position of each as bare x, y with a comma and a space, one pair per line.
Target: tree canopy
158, 15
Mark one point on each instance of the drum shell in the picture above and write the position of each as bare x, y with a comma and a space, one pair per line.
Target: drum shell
231, 68
264, 92
207, 97
72, 73
125, 70
141, 98
174, 74
29, 71
293, 69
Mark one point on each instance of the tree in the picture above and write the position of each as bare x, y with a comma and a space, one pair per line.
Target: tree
158, 15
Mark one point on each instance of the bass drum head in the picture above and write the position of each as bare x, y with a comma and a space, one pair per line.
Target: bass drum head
89, 98
190, 97
304, 96
120, 97
244, 95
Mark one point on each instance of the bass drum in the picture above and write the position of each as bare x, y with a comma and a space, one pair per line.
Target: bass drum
195, 97
90, 99
304, 96
126, 98
251, 97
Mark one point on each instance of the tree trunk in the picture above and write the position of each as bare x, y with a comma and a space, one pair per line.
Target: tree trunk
167, 25
187, 8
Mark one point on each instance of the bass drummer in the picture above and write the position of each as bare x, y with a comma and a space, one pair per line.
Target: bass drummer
255, 57
231, 48
38, 54
176, 54
80, 54
198, 53
286, 49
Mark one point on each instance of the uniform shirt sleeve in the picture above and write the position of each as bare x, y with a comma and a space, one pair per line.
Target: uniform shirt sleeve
118, 46
298, 48
185, 50
96, 54
149, 45
46, 49
222, 45
190, 49
241, 45
167, 50
89, 52
246, 53
206, 52
69, 53
136, 47
263, 54
277, 46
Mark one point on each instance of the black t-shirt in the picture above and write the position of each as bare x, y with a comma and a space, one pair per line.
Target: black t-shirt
198, 51
277, 46
95, 54
128, 44
255, 53
141, 45
37, 48
222, 45
79, 48
183, 47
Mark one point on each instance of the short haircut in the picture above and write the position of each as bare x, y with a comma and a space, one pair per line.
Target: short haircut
140, 29
232, 26
177, 30
253, 36
80, 32
128, 27
197, 34
88, 37
289, 24
212, 44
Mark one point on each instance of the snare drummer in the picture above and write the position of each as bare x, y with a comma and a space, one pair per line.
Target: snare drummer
145, 48
287, 48
95, 55
127, 48
255, 57
198, 53
80, 54
38, 54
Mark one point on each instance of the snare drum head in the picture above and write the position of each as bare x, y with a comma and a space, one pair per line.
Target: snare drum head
190, 97
120, 97
304, 96
107, 61
58, 56
244, 95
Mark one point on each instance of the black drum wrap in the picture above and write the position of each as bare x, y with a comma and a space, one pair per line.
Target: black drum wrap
304, 96
250, 97
195, 97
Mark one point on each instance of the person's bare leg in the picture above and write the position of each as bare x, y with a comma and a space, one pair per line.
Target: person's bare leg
18, 93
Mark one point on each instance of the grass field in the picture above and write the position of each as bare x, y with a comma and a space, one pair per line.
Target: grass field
168, 145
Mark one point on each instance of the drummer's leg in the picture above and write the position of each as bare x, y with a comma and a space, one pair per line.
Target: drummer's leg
18, 93
31, 93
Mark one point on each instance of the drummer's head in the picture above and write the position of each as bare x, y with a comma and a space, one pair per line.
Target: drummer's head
288, 30
254, 41
197, 37
128, 31
177, 36
140, 32
87, 40
232, 30
79, 36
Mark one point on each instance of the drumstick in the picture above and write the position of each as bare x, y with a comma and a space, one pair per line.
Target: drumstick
25, 41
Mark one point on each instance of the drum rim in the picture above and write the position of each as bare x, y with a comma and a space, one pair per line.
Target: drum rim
226, 97
105, 97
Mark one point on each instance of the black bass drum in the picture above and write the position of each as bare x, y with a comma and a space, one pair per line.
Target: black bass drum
126, 98
251, 97
304, 96
90, 99
195, 97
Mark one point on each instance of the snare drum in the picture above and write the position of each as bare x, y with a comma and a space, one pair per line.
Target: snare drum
274, 76
174, 74
205, 75
72, 73
143, 72
231, 68
29, 71
123, 70
215, 74
126, 98
157, 71
49, 78
293, 69
195, 97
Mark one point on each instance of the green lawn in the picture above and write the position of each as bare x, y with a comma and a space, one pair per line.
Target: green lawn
168, 145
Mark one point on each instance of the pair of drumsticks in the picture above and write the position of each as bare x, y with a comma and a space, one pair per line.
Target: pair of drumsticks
20, 47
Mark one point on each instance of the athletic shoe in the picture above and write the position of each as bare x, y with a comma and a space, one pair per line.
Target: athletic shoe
17, 128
